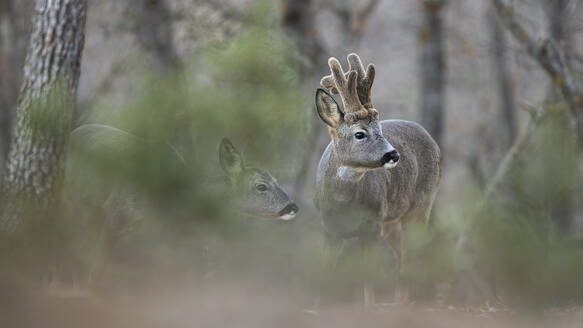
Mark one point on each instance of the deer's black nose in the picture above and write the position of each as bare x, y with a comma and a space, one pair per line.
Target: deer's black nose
289, 212
289, 209
391, 157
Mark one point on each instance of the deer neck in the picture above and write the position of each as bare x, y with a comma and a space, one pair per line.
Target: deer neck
342, 182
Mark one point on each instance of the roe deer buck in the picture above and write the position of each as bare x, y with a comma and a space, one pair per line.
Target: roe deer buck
374, 176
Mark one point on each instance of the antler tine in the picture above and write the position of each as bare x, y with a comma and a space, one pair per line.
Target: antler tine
365, 79
328, 81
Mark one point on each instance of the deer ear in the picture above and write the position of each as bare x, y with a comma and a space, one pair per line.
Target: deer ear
328, 108
230, 159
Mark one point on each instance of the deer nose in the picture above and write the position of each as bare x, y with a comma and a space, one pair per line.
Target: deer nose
289, 212
390, 159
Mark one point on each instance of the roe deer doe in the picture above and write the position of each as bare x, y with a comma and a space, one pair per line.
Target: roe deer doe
374, 176
97, 185
255, 192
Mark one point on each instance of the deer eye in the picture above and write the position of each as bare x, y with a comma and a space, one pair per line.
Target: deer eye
359, 135
261, 187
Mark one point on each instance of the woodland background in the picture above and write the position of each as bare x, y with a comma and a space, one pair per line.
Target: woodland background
507, 230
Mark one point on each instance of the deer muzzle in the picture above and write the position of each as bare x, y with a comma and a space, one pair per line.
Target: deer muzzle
390, 159
289, 212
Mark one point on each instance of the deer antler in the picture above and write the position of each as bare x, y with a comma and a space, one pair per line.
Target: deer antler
338, 82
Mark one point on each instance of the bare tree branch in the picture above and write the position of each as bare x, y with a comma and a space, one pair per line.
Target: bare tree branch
353, 20
361, 16
536, 114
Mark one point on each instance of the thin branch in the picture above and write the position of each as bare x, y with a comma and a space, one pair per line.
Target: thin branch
361, 17
578, 58
536, 114
228, 12
353, 20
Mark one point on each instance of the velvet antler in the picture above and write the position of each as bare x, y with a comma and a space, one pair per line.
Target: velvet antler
359, 107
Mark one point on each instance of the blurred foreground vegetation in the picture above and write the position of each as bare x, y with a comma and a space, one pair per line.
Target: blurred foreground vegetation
182, 228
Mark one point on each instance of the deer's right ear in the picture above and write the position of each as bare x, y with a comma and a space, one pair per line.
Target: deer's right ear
230, 159
328, 108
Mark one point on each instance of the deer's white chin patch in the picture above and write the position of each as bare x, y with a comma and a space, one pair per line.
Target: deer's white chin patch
288, 216
350, 174
390, 164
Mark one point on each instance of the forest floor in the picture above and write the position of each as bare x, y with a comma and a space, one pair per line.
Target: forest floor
244, 306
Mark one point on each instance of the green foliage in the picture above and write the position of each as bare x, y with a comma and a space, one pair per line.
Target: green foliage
246, 89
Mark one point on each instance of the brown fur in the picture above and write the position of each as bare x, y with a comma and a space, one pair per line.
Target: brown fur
333, 133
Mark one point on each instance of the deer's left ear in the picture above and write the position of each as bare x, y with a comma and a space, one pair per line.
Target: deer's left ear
230, 158
328, 108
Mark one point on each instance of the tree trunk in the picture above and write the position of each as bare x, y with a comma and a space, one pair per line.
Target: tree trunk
43, 115
503, 77
432, 65
299, 21
153, 30
559, 26
14, 24
563, 211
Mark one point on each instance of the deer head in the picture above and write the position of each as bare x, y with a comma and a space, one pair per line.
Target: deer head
358, 142
256, 192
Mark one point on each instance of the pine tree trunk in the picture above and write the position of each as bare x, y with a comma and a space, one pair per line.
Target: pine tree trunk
14, 30
34, 169
432, 65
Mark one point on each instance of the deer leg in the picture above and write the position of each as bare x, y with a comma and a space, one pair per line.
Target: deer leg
332, 250
392, 232
368, 287
402, 291
99, 251
369, 295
